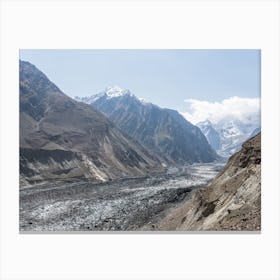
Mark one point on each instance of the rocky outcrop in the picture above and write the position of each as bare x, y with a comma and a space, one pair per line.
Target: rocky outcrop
232, 201
61, 138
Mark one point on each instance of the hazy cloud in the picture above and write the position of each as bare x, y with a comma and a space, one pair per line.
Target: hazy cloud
235, 108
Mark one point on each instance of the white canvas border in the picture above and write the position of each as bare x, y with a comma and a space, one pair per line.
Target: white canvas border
140, 24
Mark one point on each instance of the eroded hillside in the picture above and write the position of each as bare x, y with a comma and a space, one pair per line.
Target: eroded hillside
231, 202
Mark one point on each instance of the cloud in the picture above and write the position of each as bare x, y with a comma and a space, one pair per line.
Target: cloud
233, 108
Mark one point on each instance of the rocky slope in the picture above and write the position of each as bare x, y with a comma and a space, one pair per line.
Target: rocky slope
61, 138
163, 131
231, 202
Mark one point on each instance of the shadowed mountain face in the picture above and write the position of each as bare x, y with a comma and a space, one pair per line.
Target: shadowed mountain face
163, 131
61, 138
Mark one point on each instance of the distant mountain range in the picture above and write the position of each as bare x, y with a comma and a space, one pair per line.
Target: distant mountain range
163, 131
211, 134
61, 138
117, 136
227, 136
153, 127
112, 134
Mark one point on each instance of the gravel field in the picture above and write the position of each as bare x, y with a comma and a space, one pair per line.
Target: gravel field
121, 205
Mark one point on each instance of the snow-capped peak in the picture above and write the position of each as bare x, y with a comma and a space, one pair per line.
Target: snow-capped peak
204, 123
109, 92
143, 100
116, 91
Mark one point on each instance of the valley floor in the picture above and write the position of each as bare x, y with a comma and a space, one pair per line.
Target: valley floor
122, 205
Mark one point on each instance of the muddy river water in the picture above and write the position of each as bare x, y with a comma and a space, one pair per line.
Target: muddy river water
126, 204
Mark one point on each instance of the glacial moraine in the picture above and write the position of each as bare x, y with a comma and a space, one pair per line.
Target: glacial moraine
126, 204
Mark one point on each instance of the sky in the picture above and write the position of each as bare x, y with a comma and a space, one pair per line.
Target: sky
241, 109
190, 81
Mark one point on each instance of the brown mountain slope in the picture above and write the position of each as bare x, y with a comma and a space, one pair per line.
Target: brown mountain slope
61, 138
231, 202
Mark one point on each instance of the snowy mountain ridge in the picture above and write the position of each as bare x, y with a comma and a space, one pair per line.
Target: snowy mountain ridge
227, 136
109, 92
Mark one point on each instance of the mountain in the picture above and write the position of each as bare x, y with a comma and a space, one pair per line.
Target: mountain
110, 92
163, 131
61, 138
232, 201
227, 136
210, 133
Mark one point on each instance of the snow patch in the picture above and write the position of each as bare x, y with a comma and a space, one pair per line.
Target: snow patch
116, 91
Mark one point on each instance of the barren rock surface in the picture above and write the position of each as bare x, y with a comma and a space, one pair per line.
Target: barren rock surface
231, 202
